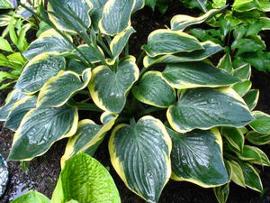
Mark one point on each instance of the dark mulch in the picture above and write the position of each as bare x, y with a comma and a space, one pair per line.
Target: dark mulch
42, 172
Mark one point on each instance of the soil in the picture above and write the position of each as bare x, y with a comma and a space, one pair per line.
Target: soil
42, 172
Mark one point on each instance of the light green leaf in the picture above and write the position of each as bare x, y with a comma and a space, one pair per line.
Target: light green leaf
261, 124
258, 139
237, 175
88, 137
58, 89
120, 41
251, 98
252, 178
70, 15
222, 193
40, 128
209, 49
11, 99
6, 4
219, 3
164, 41
225, 63
197, 158
197, 74
48, 42
243, 72
205, 108
234, 136
116, 16
85, 180
109, 88
31, 197
181, 22
5, 46
245, 5
243, 87
154, 90
140, 154
19, 110
38, 71
4, 173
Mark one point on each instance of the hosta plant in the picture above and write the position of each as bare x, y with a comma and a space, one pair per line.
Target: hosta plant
177, 115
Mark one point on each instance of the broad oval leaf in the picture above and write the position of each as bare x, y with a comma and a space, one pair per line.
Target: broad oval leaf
198, 74
181, 22
85, 180
48, 42
57, 90
70, 15
205, 108
116, 16
140, 154
197, 158
11, 99
19, 110
209, 49
91, 53
108, 88
164, 41
38, 71
3, 175
154, 90
261, 124
88, 137
40, 128
31, 197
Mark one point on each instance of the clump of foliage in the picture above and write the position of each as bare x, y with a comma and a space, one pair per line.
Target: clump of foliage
15, 22
180, 116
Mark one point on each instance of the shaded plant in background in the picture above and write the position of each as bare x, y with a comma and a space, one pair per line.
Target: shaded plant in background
179, 117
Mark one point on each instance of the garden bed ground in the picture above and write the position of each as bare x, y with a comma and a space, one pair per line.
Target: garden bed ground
42, 172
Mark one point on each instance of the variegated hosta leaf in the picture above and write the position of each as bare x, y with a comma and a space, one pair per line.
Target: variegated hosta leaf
236, 173
19, 110
58, 90
251, 98
70, 15
234, 136
242, 87
198, 74
197, 158
38, 71
40, 128
11, 99
48, 42
205, 108
3, 175
116, 16
209, 49
31, 197
154, 90
261, 124
254, 155
120, 41
181, 22
92, 54
258, 139
252, 178
109, 88
164, 41
243, 72
85, 180
222, 193
140, 154
88, 137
